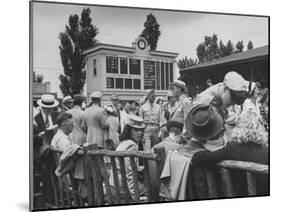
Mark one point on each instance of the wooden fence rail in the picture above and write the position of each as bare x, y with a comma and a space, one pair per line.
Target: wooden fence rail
99, 190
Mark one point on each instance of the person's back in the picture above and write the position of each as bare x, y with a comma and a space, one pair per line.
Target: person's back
93, 117
113, 126
168, 144
79, 125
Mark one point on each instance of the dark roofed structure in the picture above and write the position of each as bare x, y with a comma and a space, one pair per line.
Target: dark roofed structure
252, 65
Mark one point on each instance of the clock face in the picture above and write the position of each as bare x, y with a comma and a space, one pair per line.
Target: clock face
141, 44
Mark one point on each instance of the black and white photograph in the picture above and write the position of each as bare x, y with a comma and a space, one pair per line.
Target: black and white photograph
137, 105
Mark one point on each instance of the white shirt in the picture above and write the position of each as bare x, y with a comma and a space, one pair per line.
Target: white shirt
124, 119
61, 140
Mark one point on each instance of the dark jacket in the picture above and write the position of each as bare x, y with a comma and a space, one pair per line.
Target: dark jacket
41, 123
249, 152
37, 140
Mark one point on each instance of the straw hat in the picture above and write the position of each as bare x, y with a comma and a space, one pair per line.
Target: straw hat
136, 122
48, 101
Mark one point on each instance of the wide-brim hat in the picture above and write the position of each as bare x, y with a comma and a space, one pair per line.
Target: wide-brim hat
236, 82
180, 84
136, 122
48, 101
203, 122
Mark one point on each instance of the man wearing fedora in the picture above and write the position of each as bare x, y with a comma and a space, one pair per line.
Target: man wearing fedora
79, 124
181, 109
95, 120
150, 112
202, 123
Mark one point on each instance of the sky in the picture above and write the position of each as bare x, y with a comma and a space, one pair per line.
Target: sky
180, 31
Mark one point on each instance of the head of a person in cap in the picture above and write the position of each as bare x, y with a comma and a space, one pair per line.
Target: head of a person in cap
47, 103
150, 96
204, 123
178, 88
134, 129
65, 122
78, 100
67, 102
109, 110
236, 89
96, 97
115, 100
174, 129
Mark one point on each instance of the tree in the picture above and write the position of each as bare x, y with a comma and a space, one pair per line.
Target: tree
229, 49
37, 77
208, 50
250, 45
79, 35
151, 31
239, 47
186, 62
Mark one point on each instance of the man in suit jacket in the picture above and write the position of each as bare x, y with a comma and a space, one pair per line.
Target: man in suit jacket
96, 121
171, 142
45, 119
183, 105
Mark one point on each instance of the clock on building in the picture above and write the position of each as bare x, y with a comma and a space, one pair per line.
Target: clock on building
141, 44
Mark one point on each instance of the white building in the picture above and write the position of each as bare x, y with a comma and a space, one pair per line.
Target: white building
128, 71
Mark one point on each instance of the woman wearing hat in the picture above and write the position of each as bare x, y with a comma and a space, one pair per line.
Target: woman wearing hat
130, 138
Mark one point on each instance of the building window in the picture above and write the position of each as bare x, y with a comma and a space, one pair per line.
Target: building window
123, 65
158, 76
162, 75
137, 84
112, 65
128, 84
171, 72
119, 83
134, 65
94, 67
109, 82
149, 74
167, 76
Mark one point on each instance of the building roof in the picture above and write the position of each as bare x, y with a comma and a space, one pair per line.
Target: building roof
250, 55
111, 47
